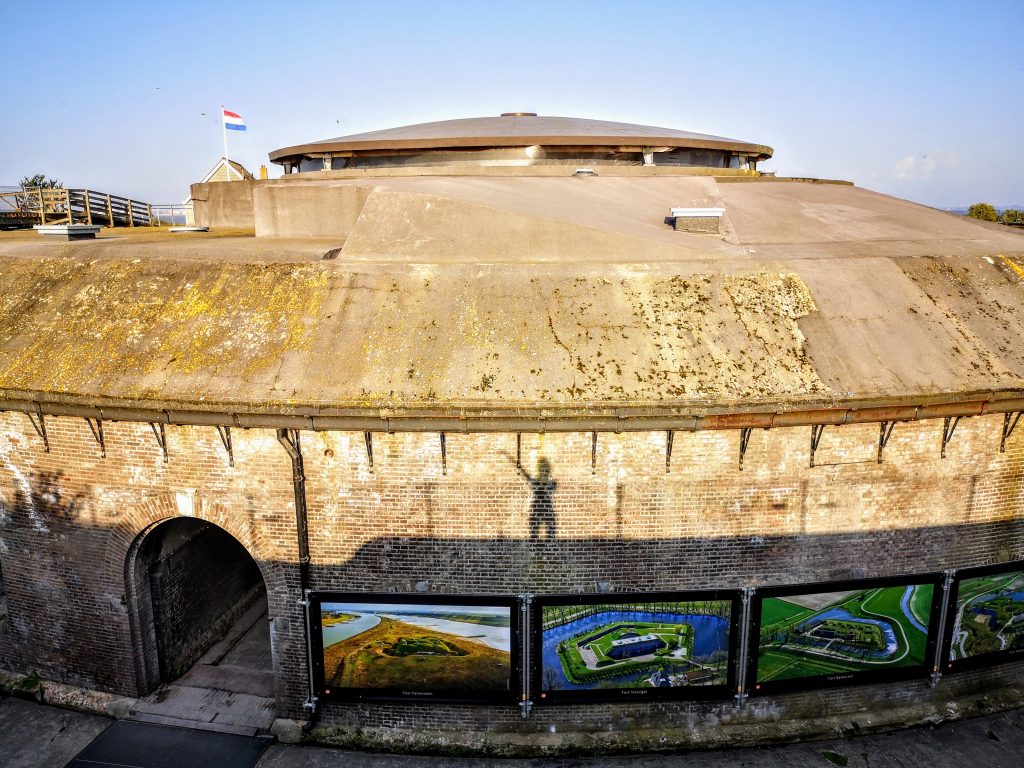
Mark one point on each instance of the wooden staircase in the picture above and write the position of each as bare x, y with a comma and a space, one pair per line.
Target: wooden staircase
28, 207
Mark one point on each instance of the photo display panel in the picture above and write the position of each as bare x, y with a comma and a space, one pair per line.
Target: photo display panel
611, 647
838, 633
455, 648
985, 617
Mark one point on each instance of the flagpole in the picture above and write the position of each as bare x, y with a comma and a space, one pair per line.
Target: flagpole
224, 130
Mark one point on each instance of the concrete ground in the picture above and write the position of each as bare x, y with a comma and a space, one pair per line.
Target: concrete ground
231, 688
36, 736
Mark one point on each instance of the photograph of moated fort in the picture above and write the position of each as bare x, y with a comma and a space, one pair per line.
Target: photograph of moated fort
450, 648
829, 633
989, 615
634, 645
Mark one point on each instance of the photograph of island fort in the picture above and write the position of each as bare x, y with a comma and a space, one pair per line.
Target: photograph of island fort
830, 633
433, 647
635, 645
989, 615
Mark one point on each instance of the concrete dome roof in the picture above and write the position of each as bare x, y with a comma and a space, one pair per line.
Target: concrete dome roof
517, 130
486, 299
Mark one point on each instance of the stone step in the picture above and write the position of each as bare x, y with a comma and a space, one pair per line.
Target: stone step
240, 730
206, 705
228, 677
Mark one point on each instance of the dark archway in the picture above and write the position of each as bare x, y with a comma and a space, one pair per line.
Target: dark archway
191, 586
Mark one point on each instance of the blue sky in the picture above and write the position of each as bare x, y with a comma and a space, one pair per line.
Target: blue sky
916, 99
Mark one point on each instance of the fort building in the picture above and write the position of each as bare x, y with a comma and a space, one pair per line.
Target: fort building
507, 355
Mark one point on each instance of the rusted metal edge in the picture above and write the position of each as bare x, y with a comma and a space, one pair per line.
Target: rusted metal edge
520, 421
368, 146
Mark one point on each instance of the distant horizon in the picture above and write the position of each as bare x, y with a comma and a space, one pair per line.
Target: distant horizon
416, 608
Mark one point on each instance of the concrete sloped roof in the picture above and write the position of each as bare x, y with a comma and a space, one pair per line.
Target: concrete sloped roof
518, 131
497, 293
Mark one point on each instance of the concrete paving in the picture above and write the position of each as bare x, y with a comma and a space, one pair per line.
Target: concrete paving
230, 689
36, 736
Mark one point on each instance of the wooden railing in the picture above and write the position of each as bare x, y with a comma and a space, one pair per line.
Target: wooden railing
72, 206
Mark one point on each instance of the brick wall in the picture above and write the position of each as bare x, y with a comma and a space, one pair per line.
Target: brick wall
482, 527
200, 581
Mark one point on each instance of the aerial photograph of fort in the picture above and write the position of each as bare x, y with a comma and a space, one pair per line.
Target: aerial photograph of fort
836, 632
388, 646
635, 645
989, 615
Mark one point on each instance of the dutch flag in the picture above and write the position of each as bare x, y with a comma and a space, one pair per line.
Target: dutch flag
233, 121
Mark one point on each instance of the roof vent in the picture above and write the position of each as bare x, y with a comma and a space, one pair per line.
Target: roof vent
518, 114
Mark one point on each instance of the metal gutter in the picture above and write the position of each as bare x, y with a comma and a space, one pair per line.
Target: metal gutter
533, 419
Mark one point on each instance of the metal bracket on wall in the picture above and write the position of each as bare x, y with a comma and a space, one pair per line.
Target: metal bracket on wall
368, 439
593, 453
161, 437
39, 425
519, 450
525, 703
96, 427
225, 439
444, 453
947, 583
948, 428
746, 600
816, 432
670, 436
744, 442
1010, 422
884, 433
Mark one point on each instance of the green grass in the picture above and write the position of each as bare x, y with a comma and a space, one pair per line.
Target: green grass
973, 587
921, 604
329, 619
886, 602
775, 611
433, 646
883, 603
782, 665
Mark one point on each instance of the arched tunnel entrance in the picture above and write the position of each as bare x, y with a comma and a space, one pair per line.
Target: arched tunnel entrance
198, 608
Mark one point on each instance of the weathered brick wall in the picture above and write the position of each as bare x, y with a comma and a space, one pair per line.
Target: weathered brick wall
628, 525
201, 581
71, 517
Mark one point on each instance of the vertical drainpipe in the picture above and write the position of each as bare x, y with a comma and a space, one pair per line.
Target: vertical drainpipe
289, 440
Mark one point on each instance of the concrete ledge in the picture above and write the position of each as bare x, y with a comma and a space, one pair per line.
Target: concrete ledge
68, 231
756, 725
31, 686
700, 220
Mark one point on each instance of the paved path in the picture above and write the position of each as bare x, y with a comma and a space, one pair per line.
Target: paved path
34, 736
231, 686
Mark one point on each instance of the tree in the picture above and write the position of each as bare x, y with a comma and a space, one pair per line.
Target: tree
982, 211
30, 203
40, 181
1012, 216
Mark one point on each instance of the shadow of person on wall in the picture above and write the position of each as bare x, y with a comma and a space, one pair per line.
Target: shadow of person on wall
542, 509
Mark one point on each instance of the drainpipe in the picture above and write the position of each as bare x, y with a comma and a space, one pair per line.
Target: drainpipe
289, 440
